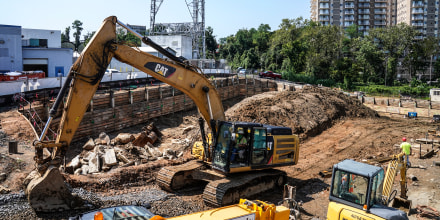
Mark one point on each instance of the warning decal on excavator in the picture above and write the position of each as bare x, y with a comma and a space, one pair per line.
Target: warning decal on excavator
161, 69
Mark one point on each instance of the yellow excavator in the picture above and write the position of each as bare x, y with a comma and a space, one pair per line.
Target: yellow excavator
363, 191
227, 157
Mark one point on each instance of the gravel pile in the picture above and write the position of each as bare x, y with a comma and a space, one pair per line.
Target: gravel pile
15, 206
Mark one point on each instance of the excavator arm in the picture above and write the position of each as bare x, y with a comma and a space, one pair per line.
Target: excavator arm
47, 191
400, 202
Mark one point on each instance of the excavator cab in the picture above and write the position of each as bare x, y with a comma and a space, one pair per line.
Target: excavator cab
356, 192
243, 146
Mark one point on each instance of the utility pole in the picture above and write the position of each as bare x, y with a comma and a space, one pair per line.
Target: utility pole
430, 71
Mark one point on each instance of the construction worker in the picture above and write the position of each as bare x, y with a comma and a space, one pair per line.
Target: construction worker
343, 188
241, 143
406, 148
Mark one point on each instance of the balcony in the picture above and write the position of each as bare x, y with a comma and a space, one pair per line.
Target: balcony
418, 5
383, 12
364, 1
417, 24
364, 23
364, 28
381, 0
380, 17
380, 5
418, 11
349, 18
349, 6
349, 12
324, 12
380, 23
364, 5
326, 5
417, 18
365, 11
324, 18
364, 17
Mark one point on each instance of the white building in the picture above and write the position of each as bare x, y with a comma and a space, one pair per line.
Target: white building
434, 95
179, 43
33, 49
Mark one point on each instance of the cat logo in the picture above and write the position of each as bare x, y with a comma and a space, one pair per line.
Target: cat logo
160, 68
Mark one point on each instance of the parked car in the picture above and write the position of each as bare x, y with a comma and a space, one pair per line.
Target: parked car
243, 71
270, 74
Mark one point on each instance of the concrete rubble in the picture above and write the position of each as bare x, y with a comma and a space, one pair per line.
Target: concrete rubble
103, 154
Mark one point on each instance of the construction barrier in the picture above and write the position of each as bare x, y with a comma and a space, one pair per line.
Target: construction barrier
119, 109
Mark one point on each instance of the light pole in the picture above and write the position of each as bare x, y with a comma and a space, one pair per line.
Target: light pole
430, 71
386, 69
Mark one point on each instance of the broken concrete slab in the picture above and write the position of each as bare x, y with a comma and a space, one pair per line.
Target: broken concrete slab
110, 157
103, 139
85, 169
94, 163
124, 138
89, 145
73, 165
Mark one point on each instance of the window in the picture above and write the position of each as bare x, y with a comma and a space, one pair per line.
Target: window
376, 189
4, 52
350, 187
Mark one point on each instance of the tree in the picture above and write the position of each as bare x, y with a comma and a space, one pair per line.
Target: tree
88, 37
210, 42
77, 26
65, 37
394, 42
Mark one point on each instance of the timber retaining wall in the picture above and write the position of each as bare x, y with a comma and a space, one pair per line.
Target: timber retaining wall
424, 108
118, 109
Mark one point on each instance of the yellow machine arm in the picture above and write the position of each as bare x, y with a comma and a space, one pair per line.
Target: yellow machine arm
246, 209
397, 163
84, 78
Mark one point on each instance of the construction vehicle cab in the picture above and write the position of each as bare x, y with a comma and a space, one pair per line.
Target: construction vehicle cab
356, 192
244, 146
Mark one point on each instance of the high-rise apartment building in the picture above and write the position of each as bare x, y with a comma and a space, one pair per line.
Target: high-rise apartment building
367, 14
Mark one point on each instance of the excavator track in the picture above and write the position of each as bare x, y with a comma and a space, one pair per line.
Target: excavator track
242, 185
175, 177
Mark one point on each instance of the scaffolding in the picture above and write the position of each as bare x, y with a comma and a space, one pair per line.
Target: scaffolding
194, 29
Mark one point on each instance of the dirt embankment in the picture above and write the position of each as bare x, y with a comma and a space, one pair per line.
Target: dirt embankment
308, 111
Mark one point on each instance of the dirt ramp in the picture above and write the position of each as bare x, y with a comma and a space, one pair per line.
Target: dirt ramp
308, 111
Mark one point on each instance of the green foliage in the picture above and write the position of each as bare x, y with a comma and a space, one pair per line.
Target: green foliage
345, 56
421, 90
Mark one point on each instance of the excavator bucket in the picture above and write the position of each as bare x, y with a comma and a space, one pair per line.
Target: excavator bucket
49, 193
402, 204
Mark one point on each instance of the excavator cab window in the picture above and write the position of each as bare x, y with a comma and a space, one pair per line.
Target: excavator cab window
376, 189
222, 147
259, 146
240, 149
350, 187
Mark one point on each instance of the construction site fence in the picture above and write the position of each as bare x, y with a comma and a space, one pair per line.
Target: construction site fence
423, 108
113, 110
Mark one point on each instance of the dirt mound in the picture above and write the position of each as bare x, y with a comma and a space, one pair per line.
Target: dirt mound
308, 111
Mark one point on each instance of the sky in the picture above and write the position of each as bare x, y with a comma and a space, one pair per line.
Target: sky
226, 17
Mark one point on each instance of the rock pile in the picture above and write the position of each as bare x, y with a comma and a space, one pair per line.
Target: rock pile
103, 154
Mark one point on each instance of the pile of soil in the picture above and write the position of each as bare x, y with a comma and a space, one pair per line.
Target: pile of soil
308, 111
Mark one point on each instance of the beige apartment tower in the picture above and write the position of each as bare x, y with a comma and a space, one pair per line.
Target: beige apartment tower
368, 14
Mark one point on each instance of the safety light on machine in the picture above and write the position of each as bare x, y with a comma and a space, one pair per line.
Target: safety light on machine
98, 216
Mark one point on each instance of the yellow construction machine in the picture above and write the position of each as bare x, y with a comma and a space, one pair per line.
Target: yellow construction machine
234, 150
363, 191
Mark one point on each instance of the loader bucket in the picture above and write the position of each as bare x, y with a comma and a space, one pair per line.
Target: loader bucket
49, 193
402, 204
